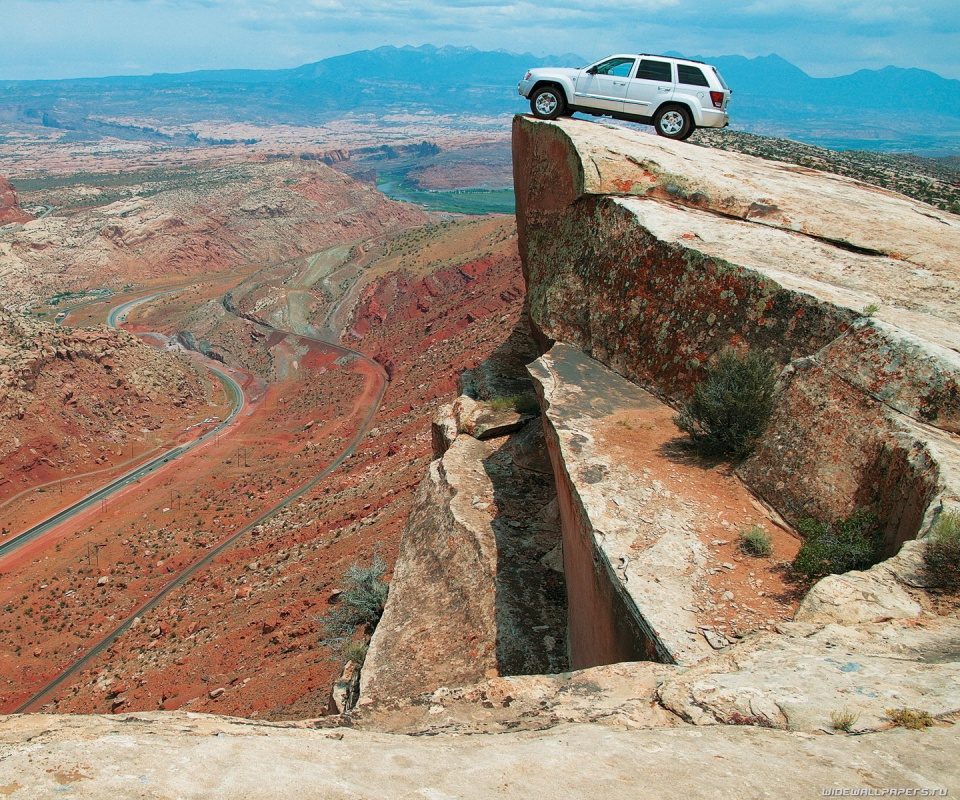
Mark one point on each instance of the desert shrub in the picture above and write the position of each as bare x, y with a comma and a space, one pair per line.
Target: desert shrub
912, 718
941, 556
835, 547
843, 720
355, 651
361, 603
755, 541
731, 406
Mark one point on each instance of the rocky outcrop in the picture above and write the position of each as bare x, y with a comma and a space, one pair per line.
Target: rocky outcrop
796, 678
629, 597
64, 392
475, 592
439, 626
651, 256
10, 211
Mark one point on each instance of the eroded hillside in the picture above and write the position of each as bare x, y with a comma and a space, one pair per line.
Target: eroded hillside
111, 230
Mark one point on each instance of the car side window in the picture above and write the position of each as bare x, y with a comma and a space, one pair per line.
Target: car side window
692, 76
618, 67
654, 71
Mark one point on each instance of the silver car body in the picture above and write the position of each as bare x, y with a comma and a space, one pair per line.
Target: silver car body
635, 86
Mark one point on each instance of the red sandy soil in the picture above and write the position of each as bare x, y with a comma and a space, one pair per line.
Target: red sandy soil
763, 594
248, 624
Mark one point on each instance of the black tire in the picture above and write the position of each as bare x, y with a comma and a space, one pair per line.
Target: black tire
548, 102
674, 122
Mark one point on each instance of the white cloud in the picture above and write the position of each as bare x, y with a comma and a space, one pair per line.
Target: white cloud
51, 38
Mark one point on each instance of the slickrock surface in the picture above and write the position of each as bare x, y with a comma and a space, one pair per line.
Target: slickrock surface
797, 678
645, 526
197, 756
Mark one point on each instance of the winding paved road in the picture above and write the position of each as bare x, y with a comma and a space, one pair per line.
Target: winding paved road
238, 402
36, 700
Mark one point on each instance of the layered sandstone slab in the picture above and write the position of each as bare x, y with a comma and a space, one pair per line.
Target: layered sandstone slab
476, 591
645, 531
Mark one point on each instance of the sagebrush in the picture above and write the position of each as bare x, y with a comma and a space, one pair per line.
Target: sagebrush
941, 555
755, 541
731, 406
914, 719
360, 603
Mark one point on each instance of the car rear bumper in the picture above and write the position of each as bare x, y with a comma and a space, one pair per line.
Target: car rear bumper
713, 118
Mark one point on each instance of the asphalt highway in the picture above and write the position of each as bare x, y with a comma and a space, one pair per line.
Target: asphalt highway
234, 391
36, 700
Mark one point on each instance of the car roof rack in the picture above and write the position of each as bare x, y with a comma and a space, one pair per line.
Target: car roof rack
675, 58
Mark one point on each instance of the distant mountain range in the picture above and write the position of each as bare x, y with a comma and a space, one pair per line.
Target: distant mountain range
891, 109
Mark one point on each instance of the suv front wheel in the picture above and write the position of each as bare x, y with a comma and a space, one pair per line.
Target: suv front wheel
547, 102
674, 122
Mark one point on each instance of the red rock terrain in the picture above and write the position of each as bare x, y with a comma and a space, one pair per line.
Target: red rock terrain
248, 623
169, 224
10, 211
77, 403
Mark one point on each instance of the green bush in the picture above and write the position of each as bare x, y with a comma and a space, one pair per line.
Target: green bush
731, 406
941, 556
755, 541
361, 603
832, 548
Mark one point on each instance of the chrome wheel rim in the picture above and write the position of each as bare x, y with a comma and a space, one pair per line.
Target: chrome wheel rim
547, 103
671, 123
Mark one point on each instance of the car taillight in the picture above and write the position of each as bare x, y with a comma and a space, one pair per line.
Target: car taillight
717, 98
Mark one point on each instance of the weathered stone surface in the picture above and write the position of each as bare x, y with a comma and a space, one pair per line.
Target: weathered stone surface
857, 597
590, 159
625, 604
197, 756
796, 679
474, 418
471, 596
439, 625
346, 689
618, 695
740, 256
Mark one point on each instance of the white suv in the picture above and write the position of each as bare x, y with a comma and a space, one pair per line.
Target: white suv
675, 95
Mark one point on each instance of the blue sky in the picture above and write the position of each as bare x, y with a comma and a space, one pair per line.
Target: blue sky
77, 38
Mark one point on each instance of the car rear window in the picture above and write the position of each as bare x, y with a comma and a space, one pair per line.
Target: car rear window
692, 76
654, 71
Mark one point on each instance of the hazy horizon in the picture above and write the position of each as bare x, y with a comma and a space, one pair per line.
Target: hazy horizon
50, 39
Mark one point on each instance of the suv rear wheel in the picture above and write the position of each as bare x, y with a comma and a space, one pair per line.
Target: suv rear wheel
547, 102
674, 122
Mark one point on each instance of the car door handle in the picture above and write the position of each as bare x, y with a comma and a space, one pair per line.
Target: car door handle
619, 83
664, 88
